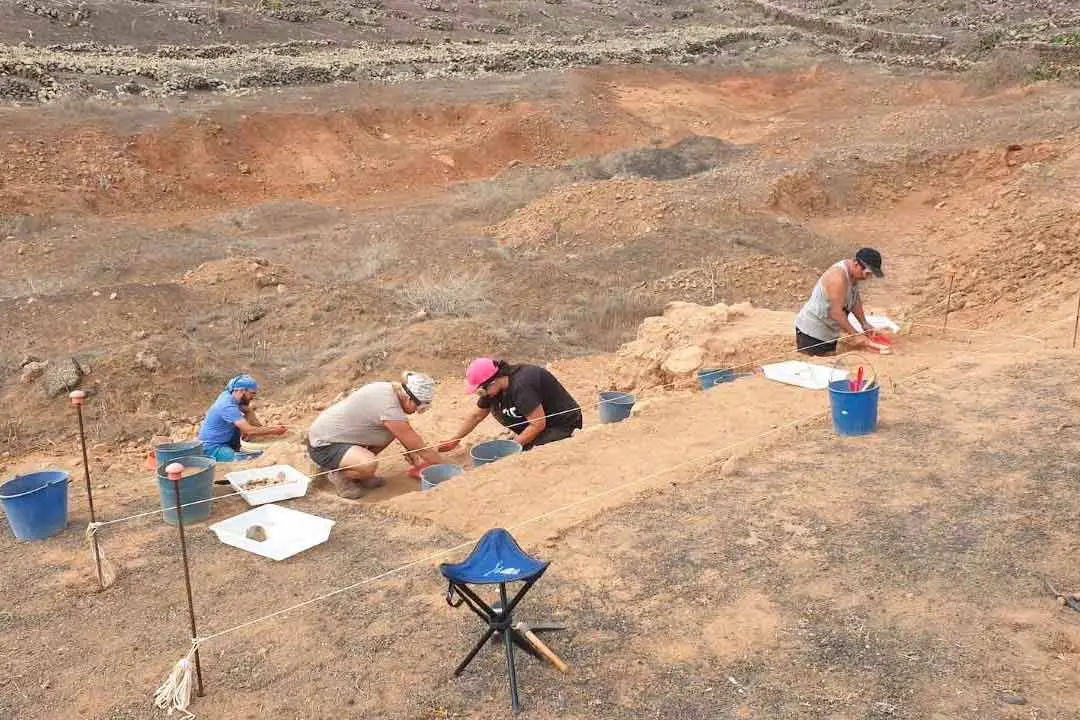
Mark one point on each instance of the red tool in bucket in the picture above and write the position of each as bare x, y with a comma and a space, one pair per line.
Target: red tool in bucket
856, 384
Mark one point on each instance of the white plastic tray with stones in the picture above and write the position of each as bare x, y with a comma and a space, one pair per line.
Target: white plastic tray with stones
803, 374
295, 485
286, 532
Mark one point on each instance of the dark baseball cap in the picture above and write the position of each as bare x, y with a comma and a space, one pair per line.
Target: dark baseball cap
870, 259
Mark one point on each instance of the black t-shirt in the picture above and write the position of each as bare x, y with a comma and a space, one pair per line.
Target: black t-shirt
530, 387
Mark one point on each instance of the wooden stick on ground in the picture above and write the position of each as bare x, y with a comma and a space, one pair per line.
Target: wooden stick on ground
541, 647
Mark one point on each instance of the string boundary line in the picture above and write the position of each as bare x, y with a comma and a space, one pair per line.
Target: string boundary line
521, 523
751, 363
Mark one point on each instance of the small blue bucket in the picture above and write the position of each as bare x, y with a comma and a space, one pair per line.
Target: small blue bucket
36, 505
711, 378
853, 412
435, 474
615, 406
165, 453
492, 450
193, 488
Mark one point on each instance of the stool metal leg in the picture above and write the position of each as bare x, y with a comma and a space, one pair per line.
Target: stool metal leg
515, 703
472, 653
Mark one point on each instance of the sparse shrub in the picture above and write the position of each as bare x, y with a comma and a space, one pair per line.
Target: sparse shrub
990, 40
372, 356
1042, 72
604, 322
365, 261
1070, 38
1002, 69
447, 295
108, 267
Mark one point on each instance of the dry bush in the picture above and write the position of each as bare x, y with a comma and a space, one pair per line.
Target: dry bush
12, 435
1004, 68
447, 294
365, 261
108, 269
606, 321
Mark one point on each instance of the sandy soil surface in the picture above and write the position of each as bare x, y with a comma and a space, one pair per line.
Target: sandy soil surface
326, 193
901, 570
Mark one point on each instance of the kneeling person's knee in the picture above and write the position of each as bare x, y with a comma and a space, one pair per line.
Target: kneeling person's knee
358, 463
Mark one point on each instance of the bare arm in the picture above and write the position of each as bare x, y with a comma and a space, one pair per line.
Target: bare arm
412, 441
835, 290
860, 314
473, 419
537, 422
249, 430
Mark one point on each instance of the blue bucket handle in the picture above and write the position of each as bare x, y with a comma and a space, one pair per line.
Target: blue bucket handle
862, 358
63, 478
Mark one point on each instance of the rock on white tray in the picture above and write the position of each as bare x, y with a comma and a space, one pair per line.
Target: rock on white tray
287, 531
804, 374
297, 485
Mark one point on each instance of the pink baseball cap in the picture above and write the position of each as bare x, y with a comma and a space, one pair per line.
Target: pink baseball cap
479, 372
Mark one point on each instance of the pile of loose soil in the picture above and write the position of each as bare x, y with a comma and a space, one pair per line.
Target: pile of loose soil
671, 347
588, 215
239, 271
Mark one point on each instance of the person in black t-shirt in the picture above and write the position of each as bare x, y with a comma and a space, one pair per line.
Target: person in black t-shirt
526, 399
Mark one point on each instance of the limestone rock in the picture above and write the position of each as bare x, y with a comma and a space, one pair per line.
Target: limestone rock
669, 348
683, 360
734, 465
61, 376
31, 371
147, 361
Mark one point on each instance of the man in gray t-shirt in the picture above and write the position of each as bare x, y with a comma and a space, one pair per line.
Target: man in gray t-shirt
359, 418
823, 320
345, 438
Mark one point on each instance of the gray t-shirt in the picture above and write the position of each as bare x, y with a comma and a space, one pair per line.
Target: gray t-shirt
358, 419
814, 320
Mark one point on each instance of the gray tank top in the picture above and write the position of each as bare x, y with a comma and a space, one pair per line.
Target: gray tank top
814, 320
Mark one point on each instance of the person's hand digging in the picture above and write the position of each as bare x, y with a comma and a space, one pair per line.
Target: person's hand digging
415, 470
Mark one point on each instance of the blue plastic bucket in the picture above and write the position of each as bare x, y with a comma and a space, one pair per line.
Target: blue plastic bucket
435, 474
711, 378
492, 450
615, 406
194, 487
165, 453
36, 505
853, 413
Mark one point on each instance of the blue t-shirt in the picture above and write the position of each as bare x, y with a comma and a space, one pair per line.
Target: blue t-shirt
219, 427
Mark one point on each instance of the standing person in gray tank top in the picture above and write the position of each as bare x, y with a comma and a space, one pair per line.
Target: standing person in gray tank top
823, 320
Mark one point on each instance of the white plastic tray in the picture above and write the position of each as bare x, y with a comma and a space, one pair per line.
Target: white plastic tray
288, 531
296, 487
804, 374
878, 322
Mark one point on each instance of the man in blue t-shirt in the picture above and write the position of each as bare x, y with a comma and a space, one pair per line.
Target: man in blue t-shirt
231, 418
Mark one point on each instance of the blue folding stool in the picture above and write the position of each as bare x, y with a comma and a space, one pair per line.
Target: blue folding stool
497, 559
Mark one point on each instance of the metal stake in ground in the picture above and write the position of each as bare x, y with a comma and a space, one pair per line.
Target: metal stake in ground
948, 299
78, 399
1076, 323
175, 471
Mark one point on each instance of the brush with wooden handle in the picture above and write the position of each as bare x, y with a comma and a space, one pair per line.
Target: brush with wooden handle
541, 647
